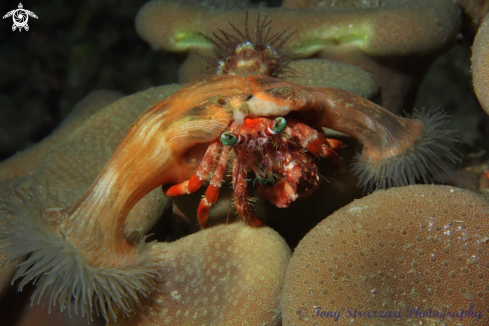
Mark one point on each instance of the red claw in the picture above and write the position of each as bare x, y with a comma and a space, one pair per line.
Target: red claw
203, 212
212, 193
194, 183
177, 190
335, 144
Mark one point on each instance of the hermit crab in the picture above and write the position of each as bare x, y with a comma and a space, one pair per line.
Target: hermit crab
264, 146
262, 124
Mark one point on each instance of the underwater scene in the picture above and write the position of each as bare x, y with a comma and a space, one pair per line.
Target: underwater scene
243, 162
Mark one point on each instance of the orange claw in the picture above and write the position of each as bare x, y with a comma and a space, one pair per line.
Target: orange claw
211, 195
203, 212
335, 144
186, 187
212, 192
194, 183
177, 190
197, 179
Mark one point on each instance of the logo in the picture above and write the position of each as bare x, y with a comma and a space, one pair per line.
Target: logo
20, 17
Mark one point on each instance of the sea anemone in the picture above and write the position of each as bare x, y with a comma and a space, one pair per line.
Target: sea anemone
59, 268
265, 56
407, 162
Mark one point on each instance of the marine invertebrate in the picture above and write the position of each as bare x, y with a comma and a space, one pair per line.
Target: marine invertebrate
380, 38
339, 189
165, 139
226, 275
244, 56
260, 145
405, 251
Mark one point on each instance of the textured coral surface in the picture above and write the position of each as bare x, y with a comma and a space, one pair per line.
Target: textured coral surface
225, 275
415, 247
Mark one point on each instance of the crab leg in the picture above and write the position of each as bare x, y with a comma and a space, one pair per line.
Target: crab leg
241, 195
212, 192
312, 136
196, 180
314, 141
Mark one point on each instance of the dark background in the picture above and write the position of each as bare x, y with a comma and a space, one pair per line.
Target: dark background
74, 47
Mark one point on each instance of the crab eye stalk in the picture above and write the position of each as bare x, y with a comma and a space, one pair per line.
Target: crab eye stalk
229, 139
279, 125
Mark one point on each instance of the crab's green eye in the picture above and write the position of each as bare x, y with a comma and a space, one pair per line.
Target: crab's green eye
229, 139
279, 125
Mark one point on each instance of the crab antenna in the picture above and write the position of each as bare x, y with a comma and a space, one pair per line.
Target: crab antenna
315, 170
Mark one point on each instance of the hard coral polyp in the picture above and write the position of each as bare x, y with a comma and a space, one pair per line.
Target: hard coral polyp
414, 255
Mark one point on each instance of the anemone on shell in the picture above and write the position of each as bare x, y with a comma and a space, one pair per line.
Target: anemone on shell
82, 250
243, 56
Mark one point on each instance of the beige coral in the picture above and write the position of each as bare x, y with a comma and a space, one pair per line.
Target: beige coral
411, 247
24, 164
226, 275
480, 64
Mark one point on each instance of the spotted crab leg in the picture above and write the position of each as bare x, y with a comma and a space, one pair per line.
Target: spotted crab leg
197, 179
241, 195
212, 192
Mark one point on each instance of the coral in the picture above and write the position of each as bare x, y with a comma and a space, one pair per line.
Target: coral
24, 164
411, 247
226, 275
480, 64
383, 41
325, 73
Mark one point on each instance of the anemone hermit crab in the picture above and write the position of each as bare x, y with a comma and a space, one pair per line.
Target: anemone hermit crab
260, 122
